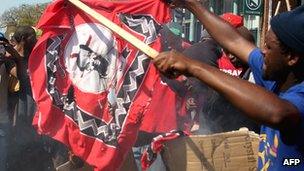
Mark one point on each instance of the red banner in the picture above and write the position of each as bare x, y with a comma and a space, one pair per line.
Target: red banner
92, 87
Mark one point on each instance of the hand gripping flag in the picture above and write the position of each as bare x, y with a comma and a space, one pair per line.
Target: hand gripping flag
92, 87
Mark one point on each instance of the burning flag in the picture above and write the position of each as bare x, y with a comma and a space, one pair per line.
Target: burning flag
92, 87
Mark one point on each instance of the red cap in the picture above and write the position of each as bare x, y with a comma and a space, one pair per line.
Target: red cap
235, 20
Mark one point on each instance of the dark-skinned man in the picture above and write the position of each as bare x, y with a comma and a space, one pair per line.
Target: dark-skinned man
277, 101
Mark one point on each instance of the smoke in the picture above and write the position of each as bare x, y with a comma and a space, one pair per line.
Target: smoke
219, 115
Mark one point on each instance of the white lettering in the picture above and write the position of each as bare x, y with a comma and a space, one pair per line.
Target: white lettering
297, 161
286, 162
291, 162
232, 72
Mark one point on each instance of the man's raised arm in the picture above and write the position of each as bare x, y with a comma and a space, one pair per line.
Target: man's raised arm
220, 30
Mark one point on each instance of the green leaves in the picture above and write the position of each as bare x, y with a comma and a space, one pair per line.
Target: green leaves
22, 15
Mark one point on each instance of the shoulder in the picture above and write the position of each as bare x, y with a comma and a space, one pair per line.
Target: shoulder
255, 58
295, 95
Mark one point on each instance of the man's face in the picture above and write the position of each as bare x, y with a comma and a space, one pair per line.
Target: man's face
275, 60
236, 62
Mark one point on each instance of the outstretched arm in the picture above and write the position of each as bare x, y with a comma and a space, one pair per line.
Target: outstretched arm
220, 30
255, 101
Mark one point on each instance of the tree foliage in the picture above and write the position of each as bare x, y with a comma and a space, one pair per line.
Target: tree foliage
22, 15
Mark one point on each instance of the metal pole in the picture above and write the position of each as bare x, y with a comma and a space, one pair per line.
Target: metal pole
192, 27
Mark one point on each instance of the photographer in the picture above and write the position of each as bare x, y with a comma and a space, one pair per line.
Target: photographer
27, 151
6, 68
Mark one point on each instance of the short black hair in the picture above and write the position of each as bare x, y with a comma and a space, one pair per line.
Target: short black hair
23, 33
28, 35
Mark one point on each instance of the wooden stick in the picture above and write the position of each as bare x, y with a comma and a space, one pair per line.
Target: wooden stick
288, 5
116, 29
264, 23
277, 8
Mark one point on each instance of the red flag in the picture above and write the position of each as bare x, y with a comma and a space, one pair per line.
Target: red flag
92, 87
156, 146
167, 110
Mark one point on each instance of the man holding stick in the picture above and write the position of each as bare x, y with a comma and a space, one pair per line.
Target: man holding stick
277, 101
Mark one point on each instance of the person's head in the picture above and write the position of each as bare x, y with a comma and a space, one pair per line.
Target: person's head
284, 45
237, 22
25, 40
236, 62
234, 20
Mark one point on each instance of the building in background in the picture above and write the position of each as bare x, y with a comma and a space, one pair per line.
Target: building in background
251, 10
192, 29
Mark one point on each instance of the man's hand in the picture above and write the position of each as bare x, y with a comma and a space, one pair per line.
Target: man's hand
11, 51
172, 64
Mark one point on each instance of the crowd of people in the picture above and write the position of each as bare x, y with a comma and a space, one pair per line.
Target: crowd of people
191, 105
219, 84
20, 145
276, 100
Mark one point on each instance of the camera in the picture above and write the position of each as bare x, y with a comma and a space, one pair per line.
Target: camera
2, 50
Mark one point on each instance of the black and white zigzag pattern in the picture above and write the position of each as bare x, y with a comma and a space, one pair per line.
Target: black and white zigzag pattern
89, 125
52, 65
148, 28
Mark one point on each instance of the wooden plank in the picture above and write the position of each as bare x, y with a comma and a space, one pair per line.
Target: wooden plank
116, 29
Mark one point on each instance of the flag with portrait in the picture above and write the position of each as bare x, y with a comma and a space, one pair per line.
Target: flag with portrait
91, 86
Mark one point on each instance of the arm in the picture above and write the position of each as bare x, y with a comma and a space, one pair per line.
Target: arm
14, 55
221, 31
11, 67
256, 102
